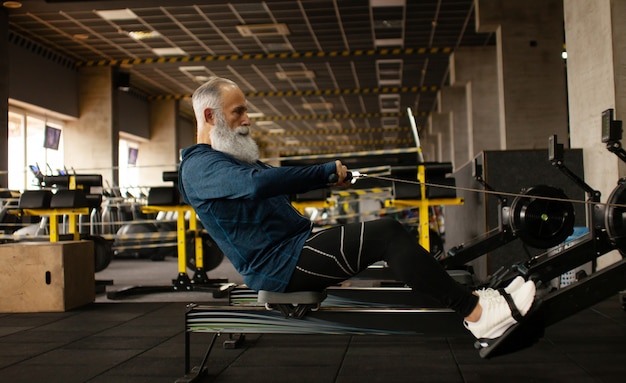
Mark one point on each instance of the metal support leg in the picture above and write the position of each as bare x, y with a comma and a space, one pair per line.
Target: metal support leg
201, 370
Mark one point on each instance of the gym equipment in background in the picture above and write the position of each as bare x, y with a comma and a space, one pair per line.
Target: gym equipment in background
167, 199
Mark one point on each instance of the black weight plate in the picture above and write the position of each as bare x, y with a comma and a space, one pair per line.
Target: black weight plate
615, 216
212, 255
543, 217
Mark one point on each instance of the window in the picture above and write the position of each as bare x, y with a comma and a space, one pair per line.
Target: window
32, 142
128, 170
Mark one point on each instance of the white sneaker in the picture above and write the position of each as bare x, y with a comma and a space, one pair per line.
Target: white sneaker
497, 317
514, 285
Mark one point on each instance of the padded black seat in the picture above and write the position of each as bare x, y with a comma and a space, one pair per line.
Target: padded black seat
164, 196
68, 199
35, 199
293, 298
292, 305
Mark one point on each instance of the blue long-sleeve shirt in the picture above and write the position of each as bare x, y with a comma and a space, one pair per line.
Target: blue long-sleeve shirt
246, 210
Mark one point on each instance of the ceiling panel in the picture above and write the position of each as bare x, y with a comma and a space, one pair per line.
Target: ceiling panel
347, 49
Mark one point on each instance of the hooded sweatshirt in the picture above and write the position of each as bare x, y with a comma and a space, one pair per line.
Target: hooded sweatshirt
247, 211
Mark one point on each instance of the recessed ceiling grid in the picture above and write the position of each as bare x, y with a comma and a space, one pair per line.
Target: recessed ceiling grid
368, 113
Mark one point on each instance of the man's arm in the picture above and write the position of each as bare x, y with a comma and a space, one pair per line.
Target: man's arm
218, 176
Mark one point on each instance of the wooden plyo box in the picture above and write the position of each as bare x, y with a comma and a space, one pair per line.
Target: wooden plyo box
46, 276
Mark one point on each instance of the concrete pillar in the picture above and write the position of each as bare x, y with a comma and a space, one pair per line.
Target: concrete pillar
431, 147
160, 153
91, 142
531, 72
476, 69
596, 65
186, 134
4, 98
453, 100
438, 132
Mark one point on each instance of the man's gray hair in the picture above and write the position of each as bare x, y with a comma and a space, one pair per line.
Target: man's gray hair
208, 95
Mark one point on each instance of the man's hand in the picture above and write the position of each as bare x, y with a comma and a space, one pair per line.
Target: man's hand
342, 173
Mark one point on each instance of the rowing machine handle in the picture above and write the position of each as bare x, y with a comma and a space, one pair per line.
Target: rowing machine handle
334, 178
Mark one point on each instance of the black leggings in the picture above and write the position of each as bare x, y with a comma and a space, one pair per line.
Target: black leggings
336, 254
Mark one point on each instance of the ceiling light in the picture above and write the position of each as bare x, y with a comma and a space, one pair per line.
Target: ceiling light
328, 125
169, 52
389, 72
317, 105
276, 131
389, 42
117, 14
388, 18
295, 74
12, 4
263, 30
80, 36
256, 115
141, 35
263, 123
389, 103
390, 122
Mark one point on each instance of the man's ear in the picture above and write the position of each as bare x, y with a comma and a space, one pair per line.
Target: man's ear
208, 115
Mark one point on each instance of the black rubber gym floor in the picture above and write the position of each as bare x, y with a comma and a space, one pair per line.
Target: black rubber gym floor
143, 341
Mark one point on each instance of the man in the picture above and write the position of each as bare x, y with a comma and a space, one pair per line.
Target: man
244, 205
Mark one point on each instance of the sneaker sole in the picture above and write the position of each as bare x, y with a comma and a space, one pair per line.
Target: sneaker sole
519, 336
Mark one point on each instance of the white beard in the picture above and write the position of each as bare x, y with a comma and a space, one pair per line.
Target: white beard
236, 142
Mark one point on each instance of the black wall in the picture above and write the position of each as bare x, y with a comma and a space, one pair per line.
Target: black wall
41, 78
186, 132
133, 114
47, 80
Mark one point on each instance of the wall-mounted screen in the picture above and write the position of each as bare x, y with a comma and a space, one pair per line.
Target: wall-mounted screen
52, 136
132, 156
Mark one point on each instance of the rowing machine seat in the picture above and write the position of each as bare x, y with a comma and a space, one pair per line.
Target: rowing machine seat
294, 304
294, 298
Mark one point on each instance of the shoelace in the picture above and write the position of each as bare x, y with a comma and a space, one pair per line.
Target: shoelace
487, 293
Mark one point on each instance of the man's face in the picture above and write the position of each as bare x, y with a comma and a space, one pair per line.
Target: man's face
234, 107
231, 130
